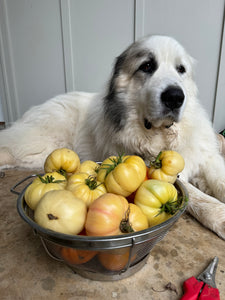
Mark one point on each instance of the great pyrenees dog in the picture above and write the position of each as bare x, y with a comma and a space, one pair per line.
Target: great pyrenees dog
150, 104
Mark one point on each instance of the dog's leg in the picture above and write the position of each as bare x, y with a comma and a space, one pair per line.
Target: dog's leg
221, 140
41, 130
207, 210
25, 147
214, 172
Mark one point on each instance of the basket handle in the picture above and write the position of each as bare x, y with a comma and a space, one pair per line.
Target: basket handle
48, 252
13, 189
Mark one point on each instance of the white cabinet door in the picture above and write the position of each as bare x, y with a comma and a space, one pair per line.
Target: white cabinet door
31, 53
198, 26
95, 33
50, 47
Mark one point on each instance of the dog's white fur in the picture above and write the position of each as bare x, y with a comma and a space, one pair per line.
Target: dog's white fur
97, 126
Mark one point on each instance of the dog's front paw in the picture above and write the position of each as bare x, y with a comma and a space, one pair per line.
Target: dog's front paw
211, 214
219, 226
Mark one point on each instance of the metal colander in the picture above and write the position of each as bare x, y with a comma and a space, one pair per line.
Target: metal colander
100, 258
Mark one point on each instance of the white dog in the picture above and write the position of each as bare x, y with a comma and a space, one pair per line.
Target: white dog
150, 104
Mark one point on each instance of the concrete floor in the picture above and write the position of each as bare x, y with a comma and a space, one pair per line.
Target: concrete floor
27, 272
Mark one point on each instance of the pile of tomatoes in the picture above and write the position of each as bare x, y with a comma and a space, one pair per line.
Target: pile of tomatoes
120, 195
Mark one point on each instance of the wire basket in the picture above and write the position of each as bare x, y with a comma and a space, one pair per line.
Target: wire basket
101, 258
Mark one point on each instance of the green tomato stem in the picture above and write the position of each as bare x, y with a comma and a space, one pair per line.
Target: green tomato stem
62, 172
49, 179
115, 162
172, 207
91, 182
157, 163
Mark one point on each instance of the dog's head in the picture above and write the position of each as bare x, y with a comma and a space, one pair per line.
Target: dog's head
152, 79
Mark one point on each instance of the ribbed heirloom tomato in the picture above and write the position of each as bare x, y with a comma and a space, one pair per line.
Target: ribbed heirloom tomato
122, 174
62, 160
158, 200
41, 185
166, 166
85, 187
130, 198
111, 214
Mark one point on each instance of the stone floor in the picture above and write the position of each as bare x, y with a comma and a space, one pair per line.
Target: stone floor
27, 272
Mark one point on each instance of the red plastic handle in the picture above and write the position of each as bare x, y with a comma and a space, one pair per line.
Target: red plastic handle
209, 293
192, 288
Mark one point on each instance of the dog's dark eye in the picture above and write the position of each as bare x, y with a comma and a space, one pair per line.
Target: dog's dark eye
148, 66
181, 69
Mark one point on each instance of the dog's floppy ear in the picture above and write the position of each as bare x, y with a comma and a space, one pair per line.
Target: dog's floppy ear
114, 106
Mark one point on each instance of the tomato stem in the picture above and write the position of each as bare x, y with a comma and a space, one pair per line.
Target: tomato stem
157, 163
49, 179
171, 207
125, 226
91, 182
62, 172
115, 162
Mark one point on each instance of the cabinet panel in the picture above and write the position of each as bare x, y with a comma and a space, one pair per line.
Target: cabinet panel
197, 25
100, 31
50, 47
34, 60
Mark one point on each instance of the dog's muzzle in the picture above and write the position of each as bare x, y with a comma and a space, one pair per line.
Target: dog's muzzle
172, 97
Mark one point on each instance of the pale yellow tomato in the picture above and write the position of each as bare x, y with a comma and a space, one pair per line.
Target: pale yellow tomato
122, 174
166, 166
42, 185
63, 160
61, 211
158, 200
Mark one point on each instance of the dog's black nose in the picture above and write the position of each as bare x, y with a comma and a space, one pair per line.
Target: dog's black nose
172, 97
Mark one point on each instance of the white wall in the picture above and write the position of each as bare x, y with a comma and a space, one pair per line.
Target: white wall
31, 53
96, 33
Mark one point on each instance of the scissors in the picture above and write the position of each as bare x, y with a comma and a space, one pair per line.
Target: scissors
203, 287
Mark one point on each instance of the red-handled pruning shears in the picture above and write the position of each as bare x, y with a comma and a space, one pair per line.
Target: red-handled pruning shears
203, 287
